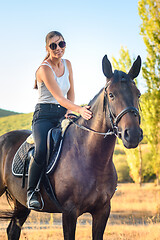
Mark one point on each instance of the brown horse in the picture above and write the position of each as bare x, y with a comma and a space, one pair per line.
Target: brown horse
85, 178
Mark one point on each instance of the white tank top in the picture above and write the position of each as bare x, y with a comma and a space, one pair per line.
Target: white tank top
44, 94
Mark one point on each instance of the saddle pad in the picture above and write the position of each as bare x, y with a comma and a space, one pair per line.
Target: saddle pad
22, 154
19, 159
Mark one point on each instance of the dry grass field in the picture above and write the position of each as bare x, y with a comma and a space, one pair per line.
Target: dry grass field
134, 216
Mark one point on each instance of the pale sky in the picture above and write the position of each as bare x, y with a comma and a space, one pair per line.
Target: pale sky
91, 28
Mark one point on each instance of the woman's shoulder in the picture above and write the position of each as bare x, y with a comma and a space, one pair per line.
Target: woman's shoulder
68, 63
43, 69
45, 66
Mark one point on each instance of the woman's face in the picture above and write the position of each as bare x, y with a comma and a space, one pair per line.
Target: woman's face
59, 51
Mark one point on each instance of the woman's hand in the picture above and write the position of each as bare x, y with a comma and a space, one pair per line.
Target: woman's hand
85, 112
70, 114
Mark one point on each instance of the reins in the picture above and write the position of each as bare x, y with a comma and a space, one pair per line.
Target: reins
91, 130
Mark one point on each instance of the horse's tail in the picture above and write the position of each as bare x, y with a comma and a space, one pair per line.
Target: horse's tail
8, 214
2, 159
4, 215
6, 141
13, 213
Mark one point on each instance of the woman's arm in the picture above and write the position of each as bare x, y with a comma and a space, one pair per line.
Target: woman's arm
71, 93
45, 74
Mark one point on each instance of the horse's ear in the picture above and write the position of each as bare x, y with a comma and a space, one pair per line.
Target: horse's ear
135, 69
107, 67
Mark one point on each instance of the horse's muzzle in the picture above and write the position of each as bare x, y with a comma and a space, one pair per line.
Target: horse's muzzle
131, 137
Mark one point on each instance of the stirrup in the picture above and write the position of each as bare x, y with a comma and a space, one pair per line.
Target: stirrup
36, 191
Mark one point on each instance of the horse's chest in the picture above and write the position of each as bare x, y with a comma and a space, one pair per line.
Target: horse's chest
98, 195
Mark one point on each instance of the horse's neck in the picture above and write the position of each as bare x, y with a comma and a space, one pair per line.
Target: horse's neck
100, 121
96, 146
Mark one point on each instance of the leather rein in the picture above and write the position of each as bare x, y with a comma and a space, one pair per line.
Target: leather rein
113, 120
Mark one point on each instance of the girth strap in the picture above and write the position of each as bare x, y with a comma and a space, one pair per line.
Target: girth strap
51, 193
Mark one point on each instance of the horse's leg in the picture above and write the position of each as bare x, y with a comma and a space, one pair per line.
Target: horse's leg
99, 222
16, 223
69, 226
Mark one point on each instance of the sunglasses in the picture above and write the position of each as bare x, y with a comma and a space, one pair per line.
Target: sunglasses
61, 44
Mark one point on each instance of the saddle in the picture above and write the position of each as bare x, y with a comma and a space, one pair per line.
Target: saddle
24, 154
21, 160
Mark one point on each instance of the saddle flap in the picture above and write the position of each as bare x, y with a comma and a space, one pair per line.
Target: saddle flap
56, 136
53, 140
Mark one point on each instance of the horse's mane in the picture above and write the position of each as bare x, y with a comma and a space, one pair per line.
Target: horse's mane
91, 103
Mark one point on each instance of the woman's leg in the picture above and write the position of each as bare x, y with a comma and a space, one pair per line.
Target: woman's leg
40, 131
46, 116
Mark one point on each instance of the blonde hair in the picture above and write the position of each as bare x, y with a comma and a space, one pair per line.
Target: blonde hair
48, 37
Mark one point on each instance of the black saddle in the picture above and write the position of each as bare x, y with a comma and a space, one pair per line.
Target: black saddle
24, 154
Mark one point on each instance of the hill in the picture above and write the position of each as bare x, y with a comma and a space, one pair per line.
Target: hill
4, 113
15, 122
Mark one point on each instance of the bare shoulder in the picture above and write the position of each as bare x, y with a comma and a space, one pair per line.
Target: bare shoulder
42, 71
68, 64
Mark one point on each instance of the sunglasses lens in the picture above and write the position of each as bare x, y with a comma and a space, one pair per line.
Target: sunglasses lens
53, 46
62, 44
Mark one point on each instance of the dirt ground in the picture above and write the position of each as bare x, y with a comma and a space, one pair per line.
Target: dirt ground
134, 216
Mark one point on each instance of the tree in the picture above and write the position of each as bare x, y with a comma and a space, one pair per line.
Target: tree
149, 11
124, 63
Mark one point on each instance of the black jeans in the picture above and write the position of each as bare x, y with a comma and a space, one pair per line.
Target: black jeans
45, 117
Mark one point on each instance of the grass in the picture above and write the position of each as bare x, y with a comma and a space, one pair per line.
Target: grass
15, 122
133, 198
134, 216
115, 232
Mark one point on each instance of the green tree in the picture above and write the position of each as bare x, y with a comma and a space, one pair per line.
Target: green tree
149, 11
133, 155
124, 63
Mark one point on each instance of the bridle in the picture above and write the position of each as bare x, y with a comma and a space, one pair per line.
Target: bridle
114, 120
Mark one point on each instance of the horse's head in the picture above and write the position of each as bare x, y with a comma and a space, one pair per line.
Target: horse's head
122, 100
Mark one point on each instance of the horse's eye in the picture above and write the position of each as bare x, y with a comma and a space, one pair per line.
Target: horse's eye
111, 95
139, 94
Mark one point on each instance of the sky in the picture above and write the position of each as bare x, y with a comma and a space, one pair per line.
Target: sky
91, 28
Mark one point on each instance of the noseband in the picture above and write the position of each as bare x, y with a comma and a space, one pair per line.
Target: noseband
114, 120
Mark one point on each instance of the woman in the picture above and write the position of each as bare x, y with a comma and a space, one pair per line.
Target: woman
54, 80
